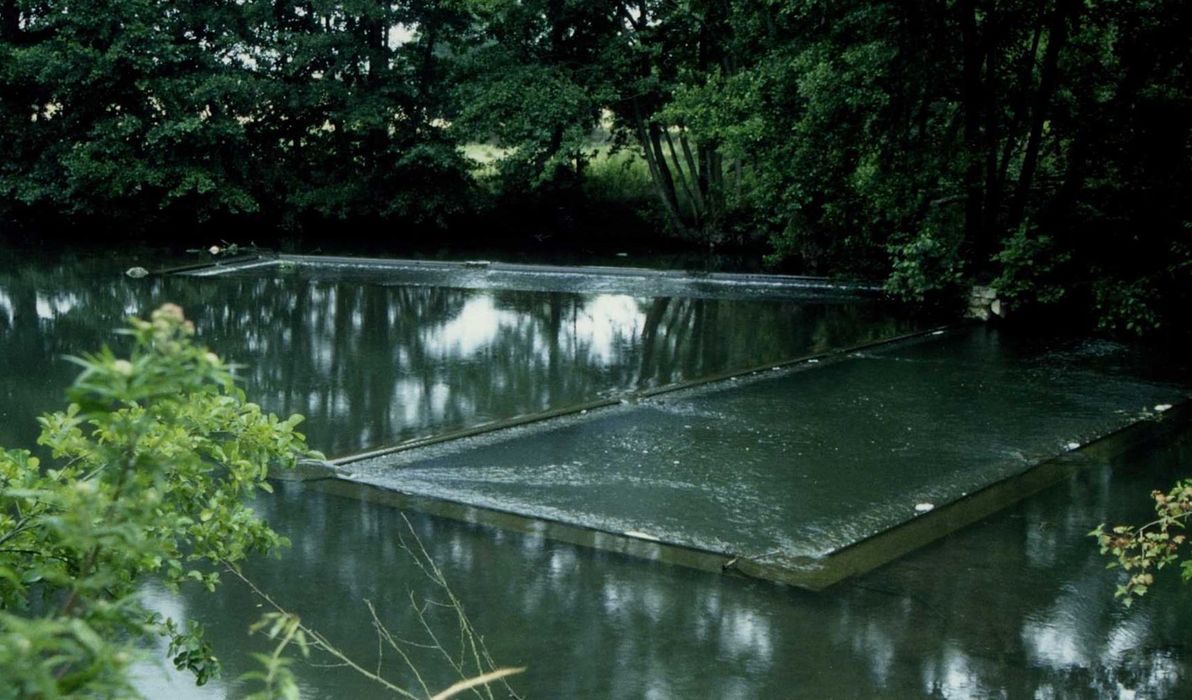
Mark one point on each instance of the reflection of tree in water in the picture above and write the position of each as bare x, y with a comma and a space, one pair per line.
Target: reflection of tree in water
373, 364
394, 362
1017, 605
980, 614
47, 311
1027, 591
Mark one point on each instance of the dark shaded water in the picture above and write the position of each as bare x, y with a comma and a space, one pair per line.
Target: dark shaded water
1018, 606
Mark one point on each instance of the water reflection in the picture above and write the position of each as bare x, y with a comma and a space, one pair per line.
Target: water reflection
370, 365
1020, 606
976, 615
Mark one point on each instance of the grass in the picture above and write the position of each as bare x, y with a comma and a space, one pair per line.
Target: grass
613, 179
486, 155
620, 176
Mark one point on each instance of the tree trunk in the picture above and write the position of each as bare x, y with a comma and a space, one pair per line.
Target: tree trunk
646, 370
692, 192
993, 95
10, 20
374, 29
664, 185
1024, 76
711, 185
972, 101
1057, 34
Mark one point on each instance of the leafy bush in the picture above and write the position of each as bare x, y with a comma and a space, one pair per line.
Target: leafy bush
152, 467
1142, 550
1128, 306
1029, 265
924, 267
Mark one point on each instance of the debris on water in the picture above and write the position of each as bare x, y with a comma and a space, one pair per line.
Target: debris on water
622, 255
924, 507
812, 361
583, 411
136, 272
938, 333
1160, 408
1073, 445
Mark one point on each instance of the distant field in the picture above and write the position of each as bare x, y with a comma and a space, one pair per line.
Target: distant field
484, 153
616, 175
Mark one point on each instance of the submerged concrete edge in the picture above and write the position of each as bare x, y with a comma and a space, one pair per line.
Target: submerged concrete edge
627, 543
893, 543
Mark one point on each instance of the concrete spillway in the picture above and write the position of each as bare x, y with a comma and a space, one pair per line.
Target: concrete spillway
807, 474
833, 461
483, 274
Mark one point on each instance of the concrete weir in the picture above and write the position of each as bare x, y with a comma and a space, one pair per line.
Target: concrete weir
484, 274
805, 472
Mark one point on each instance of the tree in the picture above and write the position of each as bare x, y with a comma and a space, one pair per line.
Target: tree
130, 113
152, 469
939, 144
1022, 144
349, 123
532, 77
118, 110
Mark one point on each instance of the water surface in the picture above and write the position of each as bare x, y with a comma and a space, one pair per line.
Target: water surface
798, 464
1019, 605
372, 362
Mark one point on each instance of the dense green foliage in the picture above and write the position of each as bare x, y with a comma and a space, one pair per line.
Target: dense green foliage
152, 469
1041, 146
147, 112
